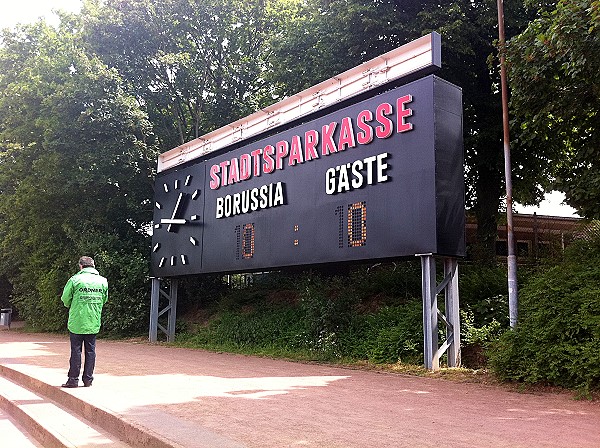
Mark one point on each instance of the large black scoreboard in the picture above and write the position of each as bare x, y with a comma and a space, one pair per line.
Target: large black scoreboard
378, 179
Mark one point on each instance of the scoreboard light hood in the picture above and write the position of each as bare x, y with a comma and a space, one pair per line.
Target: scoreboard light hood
377, 179
419, 57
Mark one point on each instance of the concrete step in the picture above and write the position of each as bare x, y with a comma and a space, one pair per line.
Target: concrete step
104, 422
49, 423
14, 435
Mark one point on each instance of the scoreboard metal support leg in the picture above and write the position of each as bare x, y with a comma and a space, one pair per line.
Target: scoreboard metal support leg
169, 293
431, 315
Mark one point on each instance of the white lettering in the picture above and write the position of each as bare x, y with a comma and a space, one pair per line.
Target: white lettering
352, 176
357, 177
219, 208
344, 182
254, 199
247, 201
330, 181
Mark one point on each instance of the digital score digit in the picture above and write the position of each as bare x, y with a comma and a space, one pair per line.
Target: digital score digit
352, 224
357, 224
245, 241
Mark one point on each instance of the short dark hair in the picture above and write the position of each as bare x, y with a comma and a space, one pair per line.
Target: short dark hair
87, 262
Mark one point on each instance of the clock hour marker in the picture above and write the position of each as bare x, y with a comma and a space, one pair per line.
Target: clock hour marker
157, 204
162, 262
173, 260
166, 187
195, 194
176, 184
156, 247
194, 218
193, 240
188, 180
183, 259
157, 226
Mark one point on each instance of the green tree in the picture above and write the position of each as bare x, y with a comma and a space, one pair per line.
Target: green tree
82, 110
194, 65
76, 161
555, 83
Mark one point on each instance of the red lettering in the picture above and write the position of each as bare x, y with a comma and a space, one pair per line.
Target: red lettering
224, 166
256, 161
328, 145
404, 112
346, 135
296, 151
234, 172
386, 128
214, 175
311, 140
269, 163
245, 170
281, 152
366, 135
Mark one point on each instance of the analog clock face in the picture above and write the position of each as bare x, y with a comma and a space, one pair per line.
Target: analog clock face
177, 232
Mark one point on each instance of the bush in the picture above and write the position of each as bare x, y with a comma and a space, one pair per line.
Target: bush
395, 334
375, 314
484, 293
320, 318
396, 282
127, 311
259, 329
557, 340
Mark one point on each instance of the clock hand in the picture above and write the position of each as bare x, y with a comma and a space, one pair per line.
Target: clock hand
177, 205
172, 221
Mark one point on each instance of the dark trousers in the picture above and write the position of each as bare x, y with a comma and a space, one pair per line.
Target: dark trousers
89, 343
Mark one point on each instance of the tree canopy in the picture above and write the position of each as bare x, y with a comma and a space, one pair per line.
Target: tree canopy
555, 83
76, 160
192, 65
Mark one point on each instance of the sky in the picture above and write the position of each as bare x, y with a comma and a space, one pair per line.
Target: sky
27, 11
551, 205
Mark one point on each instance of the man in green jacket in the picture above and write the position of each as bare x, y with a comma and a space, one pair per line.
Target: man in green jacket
84, 294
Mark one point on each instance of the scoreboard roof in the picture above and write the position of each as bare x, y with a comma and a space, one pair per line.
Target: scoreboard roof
417, 58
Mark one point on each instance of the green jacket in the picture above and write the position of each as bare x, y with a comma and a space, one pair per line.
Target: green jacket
85, 294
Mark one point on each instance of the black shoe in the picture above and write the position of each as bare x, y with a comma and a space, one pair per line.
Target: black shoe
71, 383
87, 384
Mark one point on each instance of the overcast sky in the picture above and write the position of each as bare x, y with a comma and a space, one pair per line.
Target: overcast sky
27, 11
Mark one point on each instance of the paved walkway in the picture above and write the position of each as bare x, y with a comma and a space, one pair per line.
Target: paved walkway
203, 399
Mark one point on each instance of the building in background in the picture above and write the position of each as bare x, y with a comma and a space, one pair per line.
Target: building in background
536, 236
